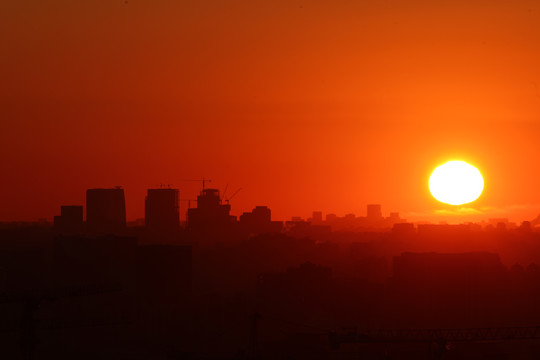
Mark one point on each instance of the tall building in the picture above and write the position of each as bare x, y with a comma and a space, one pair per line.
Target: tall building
161, 213
259, 221
316, 217
374, 212
105, 211
210, 215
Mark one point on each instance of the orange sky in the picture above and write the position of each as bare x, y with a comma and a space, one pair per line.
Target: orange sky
306, 105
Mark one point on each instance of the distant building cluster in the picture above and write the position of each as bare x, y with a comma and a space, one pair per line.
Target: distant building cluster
373, 221
210, 219
106, 215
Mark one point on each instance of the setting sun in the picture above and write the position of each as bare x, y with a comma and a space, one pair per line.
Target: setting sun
456, 183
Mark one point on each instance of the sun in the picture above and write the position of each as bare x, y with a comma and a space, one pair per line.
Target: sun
456, 183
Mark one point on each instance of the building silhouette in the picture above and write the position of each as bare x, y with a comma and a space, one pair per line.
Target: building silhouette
404, 229
70, 221
259, 221
373, 221
259, 216
210, 215
317, 217
161, 213
374, 212
105, 211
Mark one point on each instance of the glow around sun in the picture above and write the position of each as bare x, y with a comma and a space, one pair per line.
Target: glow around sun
456, 183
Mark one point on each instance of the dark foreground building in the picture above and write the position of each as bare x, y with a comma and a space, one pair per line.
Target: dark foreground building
210, 216
162, 216
105, 211
70, 221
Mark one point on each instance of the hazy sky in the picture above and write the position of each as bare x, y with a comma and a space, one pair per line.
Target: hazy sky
306, 105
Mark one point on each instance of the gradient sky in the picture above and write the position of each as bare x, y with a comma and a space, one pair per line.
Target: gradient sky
306, 105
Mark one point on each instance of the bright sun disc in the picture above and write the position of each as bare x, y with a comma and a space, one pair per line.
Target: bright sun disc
456, 183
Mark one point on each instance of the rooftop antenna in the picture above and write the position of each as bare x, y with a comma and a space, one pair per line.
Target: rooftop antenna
161, 185
204, 181
188, 201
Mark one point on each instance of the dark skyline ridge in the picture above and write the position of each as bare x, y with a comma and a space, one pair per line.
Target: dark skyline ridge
224, 199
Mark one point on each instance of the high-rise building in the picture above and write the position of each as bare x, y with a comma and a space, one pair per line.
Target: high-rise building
259, 221
105, 211
316, 217
262, 214
161, 213
374, 212
210, 215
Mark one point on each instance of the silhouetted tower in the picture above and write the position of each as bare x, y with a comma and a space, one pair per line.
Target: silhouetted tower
105, 211
394, 216
210, 214
262, 214
161, 214
374, 212
259, 221
316, 217
208, 199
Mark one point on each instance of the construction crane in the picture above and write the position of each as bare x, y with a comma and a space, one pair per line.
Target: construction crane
233, 195
31, 301
204, 181
188, 201
224, 192
437, 339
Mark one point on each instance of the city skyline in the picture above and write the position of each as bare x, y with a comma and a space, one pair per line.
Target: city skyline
444, 214
166, 198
